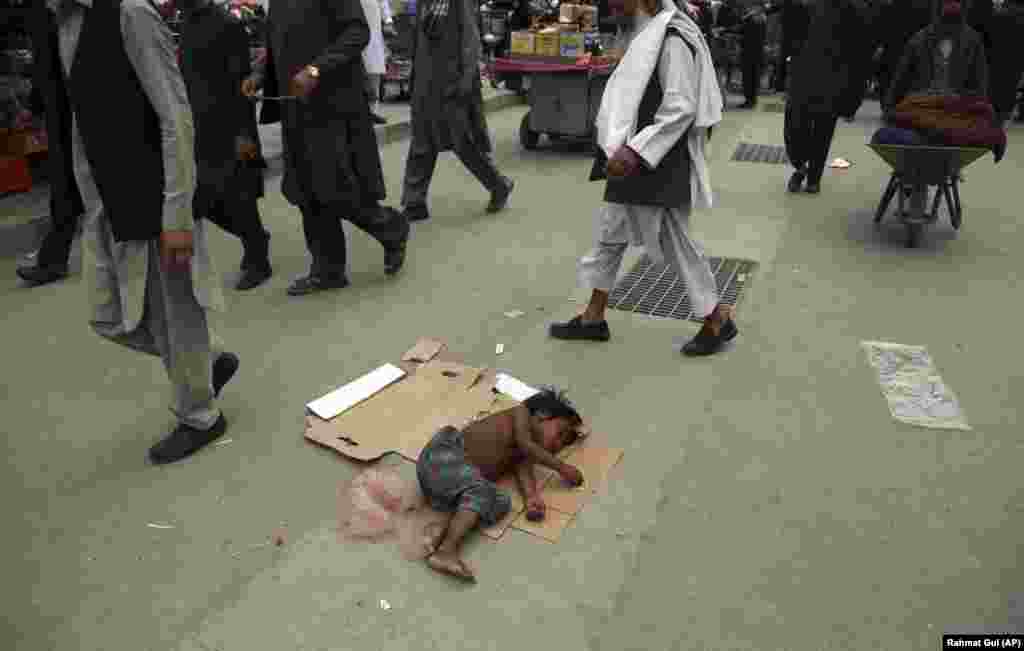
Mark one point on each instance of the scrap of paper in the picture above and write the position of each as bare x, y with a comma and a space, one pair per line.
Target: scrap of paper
912, 386
840, 163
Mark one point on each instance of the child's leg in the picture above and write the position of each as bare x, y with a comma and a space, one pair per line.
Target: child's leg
446, 559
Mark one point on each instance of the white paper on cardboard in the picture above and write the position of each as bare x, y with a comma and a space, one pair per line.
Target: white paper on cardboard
513, 388
350, 395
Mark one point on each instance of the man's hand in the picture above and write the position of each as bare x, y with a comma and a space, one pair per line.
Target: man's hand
303, 84
624, 163
250, 86
536, 509
246, 148
176, 250
571, 474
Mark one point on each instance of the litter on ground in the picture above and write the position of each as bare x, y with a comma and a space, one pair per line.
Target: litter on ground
156, 525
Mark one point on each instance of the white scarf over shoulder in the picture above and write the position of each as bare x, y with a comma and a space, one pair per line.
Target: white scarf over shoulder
617, 118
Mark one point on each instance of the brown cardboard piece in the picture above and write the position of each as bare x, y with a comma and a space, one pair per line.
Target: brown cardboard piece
550, 528
425, 350
403, 417
595, 462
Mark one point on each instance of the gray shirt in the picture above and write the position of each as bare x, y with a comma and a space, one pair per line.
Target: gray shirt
152, 52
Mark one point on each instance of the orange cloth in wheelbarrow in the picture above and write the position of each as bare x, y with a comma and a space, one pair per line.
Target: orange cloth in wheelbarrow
955, 121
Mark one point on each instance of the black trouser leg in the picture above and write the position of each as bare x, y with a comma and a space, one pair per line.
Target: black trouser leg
823, 127
794, 133
751, 79
255, 238
325, 239
480, 164
56, 247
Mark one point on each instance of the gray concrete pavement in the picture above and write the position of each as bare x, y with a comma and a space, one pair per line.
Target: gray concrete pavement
766, 499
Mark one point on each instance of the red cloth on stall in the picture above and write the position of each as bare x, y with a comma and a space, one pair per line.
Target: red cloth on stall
956, 121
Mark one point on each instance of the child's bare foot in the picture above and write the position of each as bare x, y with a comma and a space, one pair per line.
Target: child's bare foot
449, 563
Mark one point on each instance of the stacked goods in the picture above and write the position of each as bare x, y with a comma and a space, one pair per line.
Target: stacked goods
570, 37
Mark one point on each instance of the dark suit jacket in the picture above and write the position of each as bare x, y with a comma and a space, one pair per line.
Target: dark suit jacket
48, 80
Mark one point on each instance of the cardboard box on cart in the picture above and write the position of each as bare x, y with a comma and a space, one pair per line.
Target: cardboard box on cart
524, 43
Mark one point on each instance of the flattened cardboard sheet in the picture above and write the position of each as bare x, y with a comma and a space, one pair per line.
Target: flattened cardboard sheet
595, 462
550, 528
405, 416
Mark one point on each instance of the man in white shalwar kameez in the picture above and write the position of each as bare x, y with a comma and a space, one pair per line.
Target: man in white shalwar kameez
655, 117
150, 277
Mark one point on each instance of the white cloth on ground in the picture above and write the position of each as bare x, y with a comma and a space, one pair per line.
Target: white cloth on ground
617, 118
663, 232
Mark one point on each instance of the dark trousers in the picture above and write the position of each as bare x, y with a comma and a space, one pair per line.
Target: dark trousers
752, 69
325, 235
808, 136
419, 169
56, 247
240, 216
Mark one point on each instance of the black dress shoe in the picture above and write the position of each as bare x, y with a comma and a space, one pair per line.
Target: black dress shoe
576, 330
316, 283
416, 213
377, 119
748, 105
253, 277
394, 252
184, 441
37, 275
499, 199
708, 343
224, 368
813, 187
796, 181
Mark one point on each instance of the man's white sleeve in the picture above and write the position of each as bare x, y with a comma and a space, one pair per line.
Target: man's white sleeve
676, 71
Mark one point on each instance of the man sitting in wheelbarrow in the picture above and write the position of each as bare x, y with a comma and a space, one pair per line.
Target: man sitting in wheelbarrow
939, 93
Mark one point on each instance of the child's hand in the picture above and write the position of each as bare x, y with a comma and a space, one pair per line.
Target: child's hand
536, 509
572, 475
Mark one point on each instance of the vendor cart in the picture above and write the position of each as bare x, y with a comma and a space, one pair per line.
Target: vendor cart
564, 98
398, 71
919, 167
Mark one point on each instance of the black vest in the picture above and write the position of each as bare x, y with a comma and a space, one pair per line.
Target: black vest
119, 128
667, 185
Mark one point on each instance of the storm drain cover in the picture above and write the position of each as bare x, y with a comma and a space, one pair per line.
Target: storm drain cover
656, 290
751, 153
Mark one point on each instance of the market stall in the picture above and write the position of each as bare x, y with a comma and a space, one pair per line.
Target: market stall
23, 143
564, 58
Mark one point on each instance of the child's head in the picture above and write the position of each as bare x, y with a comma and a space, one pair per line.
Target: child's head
555, 420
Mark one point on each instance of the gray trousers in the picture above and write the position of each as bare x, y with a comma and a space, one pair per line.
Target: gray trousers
174, 328
663, 233
419, 169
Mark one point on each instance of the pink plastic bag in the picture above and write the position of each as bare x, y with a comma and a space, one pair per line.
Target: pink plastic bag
378, 505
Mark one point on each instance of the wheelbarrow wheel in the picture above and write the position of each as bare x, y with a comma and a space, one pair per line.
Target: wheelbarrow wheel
527, 138
914, 234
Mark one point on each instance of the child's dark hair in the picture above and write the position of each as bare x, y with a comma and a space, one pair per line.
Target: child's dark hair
552, 403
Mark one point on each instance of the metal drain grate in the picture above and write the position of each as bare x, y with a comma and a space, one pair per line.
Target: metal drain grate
656, 290
750, 153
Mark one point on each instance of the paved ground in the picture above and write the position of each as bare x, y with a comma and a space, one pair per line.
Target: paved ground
766, 499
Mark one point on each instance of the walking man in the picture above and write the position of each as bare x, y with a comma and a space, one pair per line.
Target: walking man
827, 83
150, 275
375, 56
653, 124
447, 105
215, 61
65, 201
332, 164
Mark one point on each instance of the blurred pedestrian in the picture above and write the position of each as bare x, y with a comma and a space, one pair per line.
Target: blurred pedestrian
332, 167
1007, 62
215, 61
375, 56
447, 105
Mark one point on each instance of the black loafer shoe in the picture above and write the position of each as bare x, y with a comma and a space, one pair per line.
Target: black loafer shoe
576, 330
36, 276
796, 182
224, 368
708, 343
185, 441
499, 199
316, 283
416, 213
378, 119
813, 188
253, 277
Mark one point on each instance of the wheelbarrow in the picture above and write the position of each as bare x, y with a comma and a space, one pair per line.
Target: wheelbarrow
916, 169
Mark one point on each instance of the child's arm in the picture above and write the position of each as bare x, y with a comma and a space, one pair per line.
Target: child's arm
537, 454
530, 491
